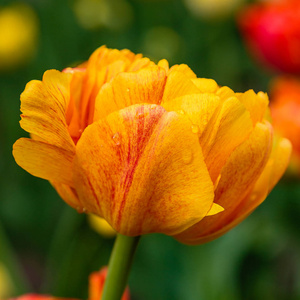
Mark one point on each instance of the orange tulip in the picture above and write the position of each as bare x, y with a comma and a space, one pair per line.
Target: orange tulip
96, 286
285, 110
150, 148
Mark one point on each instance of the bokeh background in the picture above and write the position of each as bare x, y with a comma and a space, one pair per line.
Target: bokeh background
47, 247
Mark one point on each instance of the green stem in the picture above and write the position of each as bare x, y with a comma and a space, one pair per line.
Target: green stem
119, 266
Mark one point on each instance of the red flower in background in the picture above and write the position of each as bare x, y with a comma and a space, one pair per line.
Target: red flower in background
96, 286
285, 110
39, 297
272, 33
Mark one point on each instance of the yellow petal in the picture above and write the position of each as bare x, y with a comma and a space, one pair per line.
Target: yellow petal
225, 92
140, 64
69, 195
280, 155
256, 104
215, 209
44, 104
145, 86
103, 65
184, 69
206, 85
273, 171
237, 180
229, 126
178, 84
199, 108
142, 169
163, 63
44, 160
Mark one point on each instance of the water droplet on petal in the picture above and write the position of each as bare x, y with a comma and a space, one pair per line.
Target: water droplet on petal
187, 157
117, 138
139, 115
128, 90
80, 209
181, 112
195, 128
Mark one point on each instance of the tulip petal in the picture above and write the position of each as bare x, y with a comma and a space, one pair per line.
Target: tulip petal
178, 84
139, 64
69, 195
215, 209
206, 85
229, 126
103, 65
198, 107
44, 104
163, 63
225, 92
145, 86
256, 104
142, 169
238, 178
44, 160
184, 69
273, 171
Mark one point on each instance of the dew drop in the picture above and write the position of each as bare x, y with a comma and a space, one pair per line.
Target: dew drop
187, 157
181, 112
128, 90
195, 128
81, 210
117, 138
139, 115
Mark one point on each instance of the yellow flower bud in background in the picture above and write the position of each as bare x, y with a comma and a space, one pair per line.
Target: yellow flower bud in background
95, 14
101, 226
19, 34
6, 283
150, 149
213, 9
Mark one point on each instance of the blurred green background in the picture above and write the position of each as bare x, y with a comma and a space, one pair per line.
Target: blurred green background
50, 248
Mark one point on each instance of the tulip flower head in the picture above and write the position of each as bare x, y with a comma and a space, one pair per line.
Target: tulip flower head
272, 33
285, 110
150, 148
